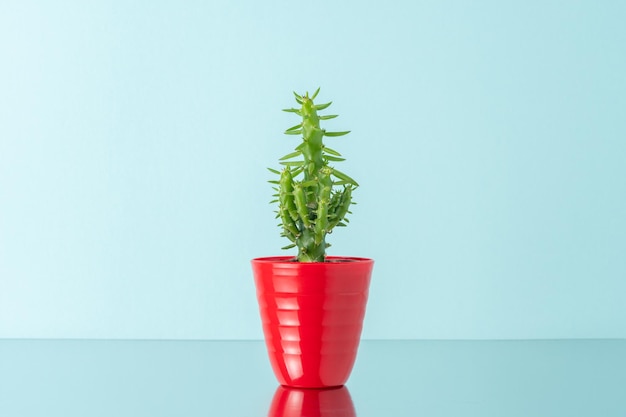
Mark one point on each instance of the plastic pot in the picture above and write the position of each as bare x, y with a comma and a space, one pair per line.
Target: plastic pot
312, 315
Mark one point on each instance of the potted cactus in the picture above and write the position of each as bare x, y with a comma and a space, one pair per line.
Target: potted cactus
312, 305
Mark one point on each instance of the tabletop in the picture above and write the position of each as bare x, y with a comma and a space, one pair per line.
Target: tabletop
390, 378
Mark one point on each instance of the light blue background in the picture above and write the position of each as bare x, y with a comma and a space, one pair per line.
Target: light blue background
488, 139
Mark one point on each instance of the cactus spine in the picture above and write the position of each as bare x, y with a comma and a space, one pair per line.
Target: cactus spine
313, 197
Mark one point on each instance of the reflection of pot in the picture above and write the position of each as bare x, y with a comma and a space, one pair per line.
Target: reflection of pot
312, 316
296, 402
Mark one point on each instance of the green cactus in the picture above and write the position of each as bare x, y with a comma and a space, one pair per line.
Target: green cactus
312, 196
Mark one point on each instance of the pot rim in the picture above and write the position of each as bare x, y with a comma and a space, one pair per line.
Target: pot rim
291, 260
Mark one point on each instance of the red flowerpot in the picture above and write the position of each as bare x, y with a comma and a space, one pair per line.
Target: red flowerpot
312, 316
297, 402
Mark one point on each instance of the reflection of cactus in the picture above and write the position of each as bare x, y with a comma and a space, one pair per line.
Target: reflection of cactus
309, 205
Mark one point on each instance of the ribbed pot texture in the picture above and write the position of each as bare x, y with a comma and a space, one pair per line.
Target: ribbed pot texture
312, 315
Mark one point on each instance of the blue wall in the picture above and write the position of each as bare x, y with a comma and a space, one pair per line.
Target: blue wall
488, 139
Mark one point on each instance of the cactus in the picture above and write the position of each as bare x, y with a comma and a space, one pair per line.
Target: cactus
313, 197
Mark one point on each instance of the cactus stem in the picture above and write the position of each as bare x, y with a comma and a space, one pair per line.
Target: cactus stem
309, 206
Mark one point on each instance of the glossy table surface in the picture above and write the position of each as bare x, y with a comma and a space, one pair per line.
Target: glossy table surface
390, 378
